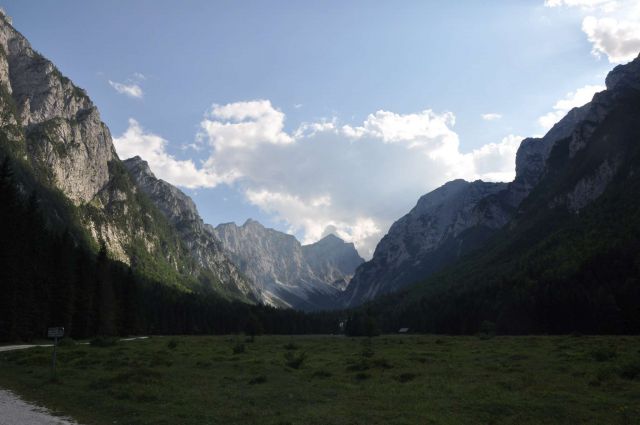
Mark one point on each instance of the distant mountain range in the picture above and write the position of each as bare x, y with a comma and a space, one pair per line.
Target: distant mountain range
54, 130
265, 265
556, 249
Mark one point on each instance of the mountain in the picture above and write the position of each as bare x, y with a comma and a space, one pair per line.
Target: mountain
434, 233
333, 259
199, 238
286, 273
454, 220
63, 154
568, 259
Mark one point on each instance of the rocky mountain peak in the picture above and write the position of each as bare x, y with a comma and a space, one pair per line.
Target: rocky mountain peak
57, 116
460, 216
139, 166
199, 238
286, 273
627, 75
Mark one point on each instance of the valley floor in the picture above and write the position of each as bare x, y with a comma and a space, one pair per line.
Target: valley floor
337, 380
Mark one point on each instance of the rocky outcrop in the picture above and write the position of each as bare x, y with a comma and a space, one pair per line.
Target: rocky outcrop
64, 133
460, 216
199, 238
285, 273
333, 259
54, 131
434, 233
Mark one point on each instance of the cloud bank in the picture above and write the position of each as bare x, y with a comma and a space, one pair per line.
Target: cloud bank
352, 180
612, 26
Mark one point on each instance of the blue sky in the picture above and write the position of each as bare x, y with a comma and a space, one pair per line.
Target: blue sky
393, 94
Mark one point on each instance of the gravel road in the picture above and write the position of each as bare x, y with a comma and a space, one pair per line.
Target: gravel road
15, 411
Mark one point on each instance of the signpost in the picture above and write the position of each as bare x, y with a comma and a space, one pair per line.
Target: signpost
55, 333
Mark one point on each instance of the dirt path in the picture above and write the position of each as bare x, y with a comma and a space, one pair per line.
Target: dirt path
21, 347
15, 411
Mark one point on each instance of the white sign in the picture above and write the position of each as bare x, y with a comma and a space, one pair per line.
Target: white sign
55, 332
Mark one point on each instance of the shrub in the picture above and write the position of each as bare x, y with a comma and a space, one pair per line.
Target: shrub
487, 330
382, 364
258, 380
239, 348
630, 370
290, 346
321, 374
293, 360
406, 377
603, 354
367, 348
66, 342
103, 341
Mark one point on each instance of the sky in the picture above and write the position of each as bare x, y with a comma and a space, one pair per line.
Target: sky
329, 116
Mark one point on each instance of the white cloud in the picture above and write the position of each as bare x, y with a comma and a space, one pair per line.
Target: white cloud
353, 179
607, 5
131, 90
570, 101
612, 26
495, 161
619, 40
244, 125
152, 148
492, 116
131, 87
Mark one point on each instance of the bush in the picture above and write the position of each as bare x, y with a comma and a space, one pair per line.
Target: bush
630, 370
258, 380
406, 377
367, 348
603, 354
239, 348
294, 361
103, 341
66, 342
290, 346
487, 330
321, 374
172, 344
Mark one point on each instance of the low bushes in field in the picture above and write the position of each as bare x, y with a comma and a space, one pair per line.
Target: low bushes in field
103, 341
239, 348
603, 354
294, 361
261, 379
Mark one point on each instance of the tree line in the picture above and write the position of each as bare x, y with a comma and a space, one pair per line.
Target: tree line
48, 278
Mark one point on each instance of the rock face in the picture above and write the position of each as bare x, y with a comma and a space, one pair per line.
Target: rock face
433, 234
58, 119
53, 133
285, 273
460, 217
332, 259
199, 238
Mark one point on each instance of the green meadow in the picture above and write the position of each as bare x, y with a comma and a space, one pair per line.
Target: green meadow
336, 380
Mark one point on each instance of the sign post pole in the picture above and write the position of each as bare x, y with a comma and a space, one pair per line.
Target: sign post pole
55, 333
55, 350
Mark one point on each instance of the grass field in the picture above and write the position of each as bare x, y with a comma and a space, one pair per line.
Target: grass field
337, 380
